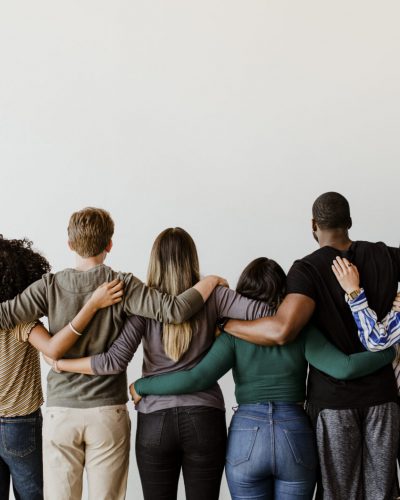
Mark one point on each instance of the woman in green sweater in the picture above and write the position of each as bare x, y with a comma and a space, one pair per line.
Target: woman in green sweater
271, 451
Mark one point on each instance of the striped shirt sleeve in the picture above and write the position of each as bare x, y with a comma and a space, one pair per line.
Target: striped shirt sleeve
22, 331
374, 335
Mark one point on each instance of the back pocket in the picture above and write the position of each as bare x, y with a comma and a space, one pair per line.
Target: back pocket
302, 445
149, 429
240, 444
20, 437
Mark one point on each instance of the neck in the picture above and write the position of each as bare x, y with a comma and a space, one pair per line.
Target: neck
335, 238
86, 263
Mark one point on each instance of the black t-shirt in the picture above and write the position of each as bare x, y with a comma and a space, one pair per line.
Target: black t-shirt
379, 267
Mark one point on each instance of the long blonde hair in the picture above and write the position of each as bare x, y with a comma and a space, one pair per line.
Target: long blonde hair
173, 268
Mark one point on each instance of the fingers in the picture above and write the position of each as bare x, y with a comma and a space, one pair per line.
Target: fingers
223, 282
336, 272
344, 264
115, 285
396, 304
135, 396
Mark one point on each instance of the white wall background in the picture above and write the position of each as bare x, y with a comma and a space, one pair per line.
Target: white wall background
224, 117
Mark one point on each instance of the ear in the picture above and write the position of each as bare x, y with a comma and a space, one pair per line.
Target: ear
70, 246
350, 224
109, 246
314, 225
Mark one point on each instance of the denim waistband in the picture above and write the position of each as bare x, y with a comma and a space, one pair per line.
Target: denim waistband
271, 408
34, 415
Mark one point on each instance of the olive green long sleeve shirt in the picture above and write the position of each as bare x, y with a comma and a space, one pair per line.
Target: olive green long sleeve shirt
60, 296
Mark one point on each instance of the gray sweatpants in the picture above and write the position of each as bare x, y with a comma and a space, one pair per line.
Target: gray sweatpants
357, 451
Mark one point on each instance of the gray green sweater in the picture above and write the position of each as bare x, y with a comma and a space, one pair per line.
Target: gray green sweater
61, 295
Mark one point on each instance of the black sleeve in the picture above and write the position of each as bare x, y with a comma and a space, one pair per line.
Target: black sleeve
299, 280
395, 254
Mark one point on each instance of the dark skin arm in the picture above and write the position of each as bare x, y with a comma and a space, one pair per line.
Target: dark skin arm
293, 314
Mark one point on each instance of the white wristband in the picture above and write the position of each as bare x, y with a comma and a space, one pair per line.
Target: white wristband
73, 329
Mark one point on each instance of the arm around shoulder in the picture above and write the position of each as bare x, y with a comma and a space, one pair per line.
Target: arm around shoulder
29, 305
292, 315
151, 303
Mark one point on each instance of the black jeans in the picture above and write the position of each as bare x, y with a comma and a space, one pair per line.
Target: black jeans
191, 438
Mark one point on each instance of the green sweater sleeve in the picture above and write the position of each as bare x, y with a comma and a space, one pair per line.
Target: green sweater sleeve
320, 353
219, 359
144, 301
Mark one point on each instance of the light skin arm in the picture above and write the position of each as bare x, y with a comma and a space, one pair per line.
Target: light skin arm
293, 314
375, 335
57, 345
78, 365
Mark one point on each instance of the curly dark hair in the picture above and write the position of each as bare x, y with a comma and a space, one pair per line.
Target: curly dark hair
19, 266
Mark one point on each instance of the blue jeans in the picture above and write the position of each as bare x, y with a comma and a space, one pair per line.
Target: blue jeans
271, 453
21, 456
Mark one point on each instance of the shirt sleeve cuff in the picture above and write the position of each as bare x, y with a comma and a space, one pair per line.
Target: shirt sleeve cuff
194, 298
93, 365
359, 303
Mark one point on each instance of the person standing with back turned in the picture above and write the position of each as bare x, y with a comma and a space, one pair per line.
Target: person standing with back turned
86, 423
356, 421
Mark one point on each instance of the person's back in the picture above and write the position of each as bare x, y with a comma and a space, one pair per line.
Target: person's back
356, 422
379, 268
223, 302
190, 429
87, 415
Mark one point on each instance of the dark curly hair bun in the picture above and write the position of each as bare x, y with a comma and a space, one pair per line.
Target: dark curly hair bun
20, 266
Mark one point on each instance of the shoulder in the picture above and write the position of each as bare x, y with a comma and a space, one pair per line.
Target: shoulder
378, 247
321, 255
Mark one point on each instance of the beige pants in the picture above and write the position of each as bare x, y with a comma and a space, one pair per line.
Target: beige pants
97, 439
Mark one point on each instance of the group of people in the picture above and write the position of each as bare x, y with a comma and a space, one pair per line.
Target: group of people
315, 406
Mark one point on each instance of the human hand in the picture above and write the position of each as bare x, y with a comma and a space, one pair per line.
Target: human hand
346, 274
107, 294
135, 396
221, 281
396, 303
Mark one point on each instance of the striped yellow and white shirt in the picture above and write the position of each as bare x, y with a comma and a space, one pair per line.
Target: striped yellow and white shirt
20, 382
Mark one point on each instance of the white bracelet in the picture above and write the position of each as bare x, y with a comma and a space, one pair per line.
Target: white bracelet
73, 329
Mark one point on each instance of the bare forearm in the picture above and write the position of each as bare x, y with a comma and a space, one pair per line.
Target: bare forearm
293, 314
79, 365
57, 345
261, 331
